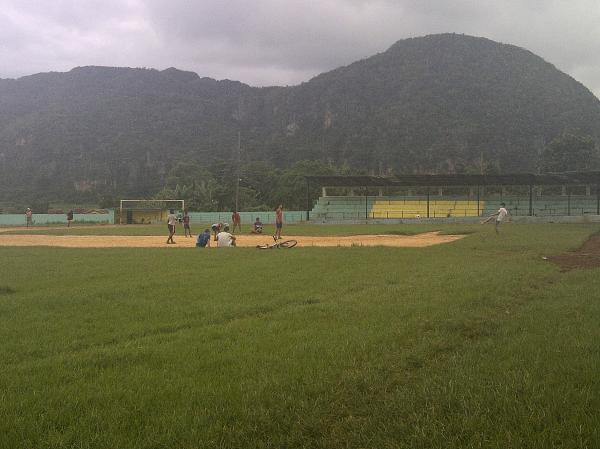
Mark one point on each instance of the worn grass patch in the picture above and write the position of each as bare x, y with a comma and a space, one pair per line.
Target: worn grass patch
6, 290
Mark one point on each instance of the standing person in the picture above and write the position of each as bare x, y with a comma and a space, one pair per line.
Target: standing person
186, 224
69, 218
236, 220
278, 222
171, 222
224, 238
500, 216
29, 217
203, 240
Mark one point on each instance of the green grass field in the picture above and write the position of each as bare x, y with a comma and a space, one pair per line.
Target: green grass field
291, 229
475, 344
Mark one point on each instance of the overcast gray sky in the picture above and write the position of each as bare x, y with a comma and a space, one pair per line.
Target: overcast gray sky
280, 42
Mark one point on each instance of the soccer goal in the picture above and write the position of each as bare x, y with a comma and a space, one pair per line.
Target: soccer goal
148, 211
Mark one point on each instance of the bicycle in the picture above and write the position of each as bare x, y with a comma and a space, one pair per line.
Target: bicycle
278, 244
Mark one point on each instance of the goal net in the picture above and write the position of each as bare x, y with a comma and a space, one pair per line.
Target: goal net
148, 211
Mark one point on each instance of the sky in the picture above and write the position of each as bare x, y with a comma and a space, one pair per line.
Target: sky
280, 42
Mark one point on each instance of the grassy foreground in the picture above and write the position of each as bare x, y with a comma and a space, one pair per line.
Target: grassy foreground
478, 343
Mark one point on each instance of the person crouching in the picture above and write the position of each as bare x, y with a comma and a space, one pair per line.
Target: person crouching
257, 227
216, 228
203, 240
224, 238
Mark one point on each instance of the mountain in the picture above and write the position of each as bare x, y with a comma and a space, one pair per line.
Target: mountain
435, 104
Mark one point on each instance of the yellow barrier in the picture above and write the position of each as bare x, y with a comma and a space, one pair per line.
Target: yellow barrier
418, 208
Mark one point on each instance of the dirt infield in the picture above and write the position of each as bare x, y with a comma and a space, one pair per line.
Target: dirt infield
588, 256
121, 241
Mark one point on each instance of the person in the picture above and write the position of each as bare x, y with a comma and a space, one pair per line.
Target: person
236, 220
500, 216
69, 218
224, 238
171, 222
216, 228
203, 240
257, 227
29, 217
186, 224
278, 222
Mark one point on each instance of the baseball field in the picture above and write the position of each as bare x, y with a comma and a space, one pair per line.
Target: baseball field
466, 340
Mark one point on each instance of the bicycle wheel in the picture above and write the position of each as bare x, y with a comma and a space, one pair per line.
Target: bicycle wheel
287, 244
263, 247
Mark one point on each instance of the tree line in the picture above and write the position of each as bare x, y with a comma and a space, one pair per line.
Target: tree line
225, 185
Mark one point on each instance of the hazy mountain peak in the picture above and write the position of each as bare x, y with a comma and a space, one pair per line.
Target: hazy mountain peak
439, 103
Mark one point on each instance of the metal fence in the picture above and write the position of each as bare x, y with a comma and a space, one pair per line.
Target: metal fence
293, 216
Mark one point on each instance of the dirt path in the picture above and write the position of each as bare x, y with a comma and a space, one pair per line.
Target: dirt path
121, 241
588, 256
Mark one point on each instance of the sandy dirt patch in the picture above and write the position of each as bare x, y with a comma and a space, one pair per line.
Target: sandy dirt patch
122, 241
588, 256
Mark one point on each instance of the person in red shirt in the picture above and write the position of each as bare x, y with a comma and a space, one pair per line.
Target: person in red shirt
236, 220
278, 222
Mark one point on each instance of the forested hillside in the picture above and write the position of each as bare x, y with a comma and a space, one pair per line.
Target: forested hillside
441, 103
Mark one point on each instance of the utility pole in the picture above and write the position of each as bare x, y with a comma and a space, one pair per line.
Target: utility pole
481, 163
237, 172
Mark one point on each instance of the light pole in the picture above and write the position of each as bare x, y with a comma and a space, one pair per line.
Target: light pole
237, 172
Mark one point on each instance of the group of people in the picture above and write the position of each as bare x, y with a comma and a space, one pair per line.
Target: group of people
221, 236
220, 231
224, 238
29, 217
172, 220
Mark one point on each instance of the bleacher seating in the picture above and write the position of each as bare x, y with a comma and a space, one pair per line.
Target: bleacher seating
354, 207
413, 208
546, 205
342, 207
382, 207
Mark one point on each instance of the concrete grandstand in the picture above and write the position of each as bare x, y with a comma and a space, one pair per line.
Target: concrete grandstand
453, 196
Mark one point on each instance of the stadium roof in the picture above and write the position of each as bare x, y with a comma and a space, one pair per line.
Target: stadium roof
591, 177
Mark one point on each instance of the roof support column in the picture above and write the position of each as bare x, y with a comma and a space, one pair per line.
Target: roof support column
366, 203
530, 200
308, 199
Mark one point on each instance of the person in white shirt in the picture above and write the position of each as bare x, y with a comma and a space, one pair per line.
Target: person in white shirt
224, 238
171, 222
500, 216
29, 217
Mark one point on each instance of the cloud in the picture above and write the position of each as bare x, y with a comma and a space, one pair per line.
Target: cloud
267, 42
58, 35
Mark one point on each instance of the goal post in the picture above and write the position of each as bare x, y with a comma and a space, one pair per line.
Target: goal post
147, 211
